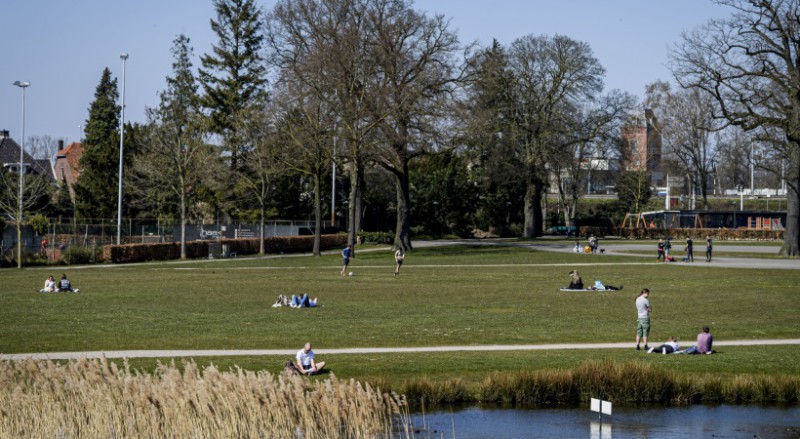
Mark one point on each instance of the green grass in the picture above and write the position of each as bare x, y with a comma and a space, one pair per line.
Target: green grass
446, 296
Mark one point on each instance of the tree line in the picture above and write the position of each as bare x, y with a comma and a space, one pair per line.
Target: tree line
426, 130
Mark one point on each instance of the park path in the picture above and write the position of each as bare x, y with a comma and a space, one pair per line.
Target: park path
383, 350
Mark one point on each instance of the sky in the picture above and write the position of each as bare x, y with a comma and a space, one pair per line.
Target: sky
61, 47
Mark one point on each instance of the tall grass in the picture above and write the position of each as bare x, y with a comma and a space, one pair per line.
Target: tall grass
89, 398
623, 383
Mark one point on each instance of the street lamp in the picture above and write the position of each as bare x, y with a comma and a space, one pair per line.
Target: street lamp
123, 57
23, 85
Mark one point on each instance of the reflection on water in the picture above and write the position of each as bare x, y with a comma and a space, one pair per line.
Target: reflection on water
631, 422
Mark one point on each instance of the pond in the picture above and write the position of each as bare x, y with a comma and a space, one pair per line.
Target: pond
725, 421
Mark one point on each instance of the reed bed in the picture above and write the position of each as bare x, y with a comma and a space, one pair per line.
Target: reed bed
623, 383
92, 399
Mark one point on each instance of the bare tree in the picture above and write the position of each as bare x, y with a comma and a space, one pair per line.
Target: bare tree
42, 147
306, 129
587, 148
327, 46
36, 191
261, 161
687, 124
416, 57
552, 77
176, 155
748, 64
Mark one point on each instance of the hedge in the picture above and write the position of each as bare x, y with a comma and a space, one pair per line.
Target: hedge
715, 234
126, 253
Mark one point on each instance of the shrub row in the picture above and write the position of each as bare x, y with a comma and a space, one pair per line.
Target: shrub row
623, 383
200, 249
715, 234
377, 237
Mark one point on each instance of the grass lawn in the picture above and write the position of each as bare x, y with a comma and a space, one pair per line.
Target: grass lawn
458, 295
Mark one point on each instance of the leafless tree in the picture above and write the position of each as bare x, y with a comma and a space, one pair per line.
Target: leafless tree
686, 123
749, 65
36, 189
552, 77
42, 147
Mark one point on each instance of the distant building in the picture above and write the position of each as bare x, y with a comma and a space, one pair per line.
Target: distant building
9, 158
67, 167
641, 147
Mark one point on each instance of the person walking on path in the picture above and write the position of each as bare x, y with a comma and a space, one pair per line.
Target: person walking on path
689, 250
660, 251
398, 261
346, 253
708, 249
643, 310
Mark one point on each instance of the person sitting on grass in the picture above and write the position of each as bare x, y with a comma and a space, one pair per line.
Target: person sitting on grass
575, 281
669, 347
305, 361
49, 285
65, 285
303, 301
704, 342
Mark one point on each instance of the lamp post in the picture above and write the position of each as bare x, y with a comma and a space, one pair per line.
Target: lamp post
23, 85
124, 58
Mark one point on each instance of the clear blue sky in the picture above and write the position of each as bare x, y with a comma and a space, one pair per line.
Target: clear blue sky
61, 47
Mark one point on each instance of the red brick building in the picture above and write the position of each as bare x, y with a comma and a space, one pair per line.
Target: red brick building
641, 147
67, 165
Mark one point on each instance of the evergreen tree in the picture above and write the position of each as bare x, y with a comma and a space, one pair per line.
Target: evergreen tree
233, 75
96, 188
62, 206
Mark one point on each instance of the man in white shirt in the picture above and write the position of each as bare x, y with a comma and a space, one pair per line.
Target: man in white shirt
305, 361
643, 309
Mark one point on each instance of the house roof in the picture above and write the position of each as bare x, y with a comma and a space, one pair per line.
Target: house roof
68, 161
9, 153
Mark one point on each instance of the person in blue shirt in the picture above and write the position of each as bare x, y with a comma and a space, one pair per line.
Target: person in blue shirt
346, 253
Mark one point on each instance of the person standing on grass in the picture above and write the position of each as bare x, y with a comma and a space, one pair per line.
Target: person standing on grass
398, 260
689, 250
660, 250
305, 361
643, 310
708, 249
346, 253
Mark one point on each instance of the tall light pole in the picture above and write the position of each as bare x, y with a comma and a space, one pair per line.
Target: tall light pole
23, 85
124, 58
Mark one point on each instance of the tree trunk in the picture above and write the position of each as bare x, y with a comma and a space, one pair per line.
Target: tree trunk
402, 236
183, 223
261, 232
791, 234
355, 203
317, 216
533, 209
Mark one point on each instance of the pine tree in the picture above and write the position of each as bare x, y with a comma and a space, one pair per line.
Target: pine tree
96, 188
233, 76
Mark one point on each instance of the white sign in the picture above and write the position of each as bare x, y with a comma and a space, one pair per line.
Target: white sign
600, 406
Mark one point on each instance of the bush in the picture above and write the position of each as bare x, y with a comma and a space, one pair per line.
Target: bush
79, 255
39, 223
126, 253
377, 237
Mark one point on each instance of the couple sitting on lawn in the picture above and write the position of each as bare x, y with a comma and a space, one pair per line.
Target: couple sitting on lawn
703, 346
296, 301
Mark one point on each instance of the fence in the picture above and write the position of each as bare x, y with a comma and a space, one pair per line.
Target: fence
81, 239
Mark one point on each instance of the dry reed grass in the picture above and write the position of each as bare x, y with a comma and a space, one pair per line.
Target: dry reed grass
92, 399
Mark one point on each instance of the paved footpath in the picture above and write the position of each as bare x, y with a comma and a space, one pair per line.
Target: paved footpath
385, 350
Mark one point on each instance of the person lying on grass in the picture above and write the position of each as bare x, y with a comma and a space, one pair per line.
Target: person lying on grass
669, 347
305, 361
